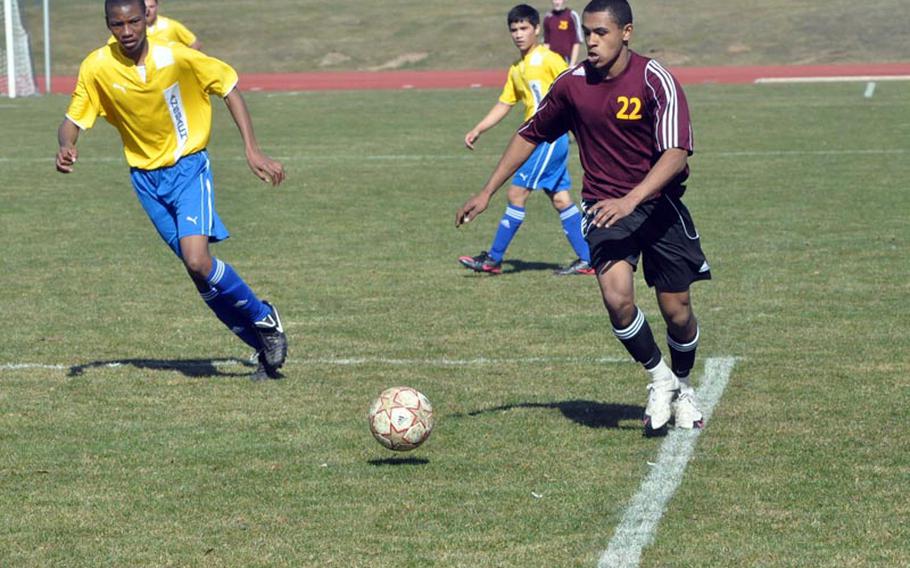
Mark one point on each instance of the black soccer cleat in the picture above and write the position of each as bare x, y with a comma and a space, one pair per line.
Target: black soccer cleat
263, 371
481, 263
578, 266
274, 341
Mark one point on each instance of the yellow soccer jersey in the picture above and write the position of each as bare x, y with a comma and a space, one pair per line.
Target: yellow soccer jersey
166, 30
162, 109
531, 77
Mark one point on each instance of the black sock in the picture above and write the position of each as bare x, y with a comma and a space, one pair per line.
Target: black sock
682, 354
639, 341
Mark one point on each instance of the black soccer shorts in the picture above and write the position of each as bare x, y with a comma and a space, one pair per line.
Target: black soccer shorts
662, 233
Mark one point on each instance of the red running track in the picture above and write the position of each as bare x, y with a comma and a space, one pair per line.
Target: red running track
375, 80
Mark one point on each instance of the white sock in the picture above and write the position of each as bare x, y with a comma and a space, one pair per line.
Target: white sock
661, 373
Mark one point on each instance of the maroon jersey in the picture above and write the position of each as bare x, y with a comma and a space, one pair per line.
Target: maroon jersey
622, 125
561, 31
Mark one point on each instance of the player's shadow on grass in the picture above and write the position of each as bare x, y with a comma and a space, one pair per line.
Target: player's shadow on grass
399, 461
194, 368
585, 412
516, 265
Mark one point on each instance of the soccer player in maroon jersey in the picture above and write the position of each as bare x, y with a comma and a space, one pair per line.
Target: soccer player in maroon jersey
631, 121
562, 32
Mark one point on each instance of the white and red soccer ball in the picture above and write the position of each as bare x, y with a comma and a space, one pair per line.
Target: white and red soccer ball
401, 418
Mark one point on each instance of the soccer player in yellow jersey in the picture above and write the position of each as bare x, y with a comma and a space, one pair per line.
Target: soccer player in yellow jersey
529, 80
165, 29
157, 96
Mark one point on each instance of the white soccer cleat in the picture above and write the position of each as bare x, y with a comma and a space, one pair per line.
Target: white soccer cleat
661, 393
687, 414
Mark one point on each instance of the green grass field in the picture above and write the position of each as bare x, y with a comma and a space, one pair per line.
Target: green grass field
306, 35
171, 457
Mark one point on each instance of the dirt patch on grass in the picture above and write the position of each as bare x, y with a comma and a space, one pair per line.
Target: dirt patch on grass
738, 48
668, 57
400, 61
333, 58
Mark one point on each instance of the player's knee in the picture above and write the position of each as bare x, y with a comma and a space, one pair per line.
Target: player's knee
681, 325
562, 200
518, 196
677, 311
621, 310
198, 265
680, 320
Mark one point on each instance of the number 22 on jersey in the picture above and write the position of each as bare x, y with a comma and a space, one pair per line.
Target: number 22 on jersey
630, 108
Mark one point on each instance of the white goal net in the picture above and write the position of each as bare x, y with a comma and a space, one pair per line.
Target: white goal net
16, 76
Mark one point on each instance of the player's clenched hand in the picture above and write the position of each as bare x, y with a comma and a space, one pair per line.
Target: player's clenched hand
266, 168
608, 211
471, 208
470, 138
66, 157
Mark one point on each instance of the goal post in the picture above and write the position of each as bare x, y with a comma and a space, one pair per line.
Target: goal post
17, 78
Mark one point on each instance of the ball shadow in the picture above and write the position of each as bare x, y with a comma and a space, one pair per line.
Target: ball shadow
396, 461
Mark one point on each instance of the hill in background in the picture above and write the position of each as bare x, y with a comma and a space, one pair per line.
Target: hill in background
287, 35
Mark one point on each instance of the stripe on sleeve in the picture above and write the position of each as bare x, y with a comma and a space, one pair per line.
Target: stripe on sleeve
668, 118
578, 31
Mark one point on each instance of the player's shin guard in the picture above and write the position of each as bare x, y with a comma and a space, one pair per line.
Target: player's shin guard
508, 226
230, 317
233, 290
682, 354
571, 226
639, 341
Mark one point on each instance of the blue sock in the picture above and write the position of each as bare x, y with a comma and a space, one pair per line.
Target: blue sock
231, 317
235, 292
571, 226
508, 226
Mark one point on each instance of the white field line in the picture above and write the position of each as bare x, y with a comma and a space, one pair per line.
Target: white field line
325, 361
636, 530
838, 79
870, 90
453, 157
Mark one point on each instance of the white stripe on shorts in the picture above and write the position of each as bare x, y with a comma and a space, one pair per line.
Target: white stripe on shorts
543, 168
208, 187
202, 200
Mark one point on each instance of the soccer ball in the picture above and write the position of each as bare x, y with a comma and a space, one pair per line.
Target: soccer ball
401, 418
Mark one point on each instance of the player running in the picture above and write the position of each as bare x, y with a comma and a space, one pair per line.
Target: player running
630, 118
156, 95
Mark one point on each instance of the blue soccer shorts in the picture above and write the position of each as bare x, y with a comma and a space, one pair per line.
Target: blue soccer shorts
180, 200
547, 168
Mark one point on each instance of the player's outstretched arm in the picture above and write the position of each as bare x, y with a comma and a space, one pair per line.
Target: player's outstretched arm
516, 153
67, 135
496, 114
264, 167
